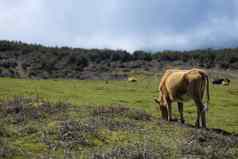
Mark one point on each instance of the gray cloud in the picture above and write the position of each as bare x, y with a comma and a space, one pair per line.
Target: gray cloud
131, 25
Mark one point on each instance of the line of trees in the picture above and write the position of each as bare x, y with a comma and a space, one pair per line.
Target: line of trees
19, 59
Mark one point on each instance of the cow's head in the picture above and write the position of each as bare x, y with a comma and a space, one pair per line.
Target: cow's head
163, 107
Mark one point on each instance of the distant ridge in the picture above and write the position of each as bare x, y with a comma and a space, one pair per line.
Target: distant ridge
22, 60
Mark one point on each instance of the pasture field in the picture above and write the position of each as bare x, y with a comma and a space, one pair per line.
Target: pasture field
105, 119
223, 108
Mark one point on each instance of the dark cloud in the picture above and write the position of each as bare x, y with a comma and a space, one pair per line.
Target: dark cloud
134, 24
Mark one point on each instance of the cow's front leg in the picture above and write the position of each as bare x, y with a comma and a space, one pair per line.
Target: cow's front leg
170, 118
164, 112
180, 109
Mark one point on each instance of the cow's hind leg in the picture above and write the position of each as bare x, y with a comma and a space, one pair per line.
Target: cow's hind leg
201, 117
197, 123
197, 91
180, 109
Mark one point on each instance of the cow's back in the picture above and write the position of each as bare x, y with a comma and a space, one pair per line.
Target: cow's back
178, 84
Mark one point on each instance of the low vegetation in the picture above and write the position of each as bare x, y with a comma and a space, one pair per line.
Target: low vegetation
34, 128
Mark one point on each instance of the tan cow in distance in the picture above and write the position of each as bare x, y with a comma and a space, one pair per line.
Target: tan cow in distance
132, 79
179, 86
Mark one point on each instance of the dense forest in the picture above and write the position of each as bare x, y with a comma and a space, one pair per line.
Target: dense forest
23, 60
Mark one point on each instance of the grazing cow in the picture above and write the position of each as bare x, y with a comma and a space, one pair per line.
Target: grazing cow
223, 81
218, 81
132, 79
180, 85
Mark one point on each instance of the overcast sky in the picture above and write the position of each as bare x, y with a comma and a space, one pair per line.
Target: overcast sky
122, 24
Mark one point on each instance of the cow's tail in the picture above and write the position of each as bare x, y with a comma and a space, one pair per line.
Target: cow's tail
207, 93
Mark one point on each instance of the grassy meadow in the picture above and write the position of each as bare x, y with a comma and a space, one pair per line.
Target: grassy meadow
223, 108
108, 119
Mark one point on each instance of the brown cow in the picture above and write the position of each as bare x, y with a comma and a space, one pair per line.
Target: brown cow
180, 85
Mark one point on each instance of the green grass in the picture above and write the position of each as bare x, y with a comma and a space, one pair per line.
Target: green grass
223, 108
117, 118
83, 92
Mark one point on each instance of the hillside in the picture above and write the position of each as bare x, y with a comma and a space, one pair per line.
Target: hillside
35, 61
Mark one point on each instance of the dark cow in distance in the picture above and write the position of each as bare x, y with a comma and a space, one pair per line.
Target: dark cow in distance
223, 81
